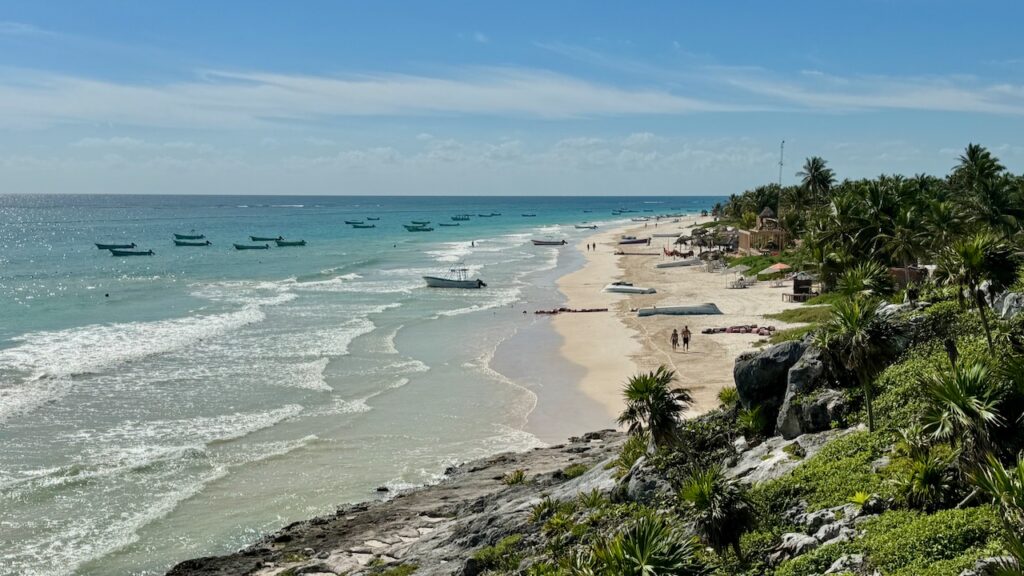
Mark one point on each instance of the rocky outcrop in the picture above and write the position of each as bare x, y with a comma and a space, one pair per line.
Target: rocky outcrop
828, 526
776, 456
437, 528
1008, 304
645, 484
990, 566
811, 412
761, 377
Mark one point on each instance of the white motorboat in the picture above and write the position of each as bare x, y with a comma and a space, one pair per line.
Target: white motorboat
627, 288
456, 278
586, 226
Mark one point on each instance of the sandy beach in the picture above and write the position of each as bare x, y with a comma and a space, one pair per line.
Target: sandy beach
615, 345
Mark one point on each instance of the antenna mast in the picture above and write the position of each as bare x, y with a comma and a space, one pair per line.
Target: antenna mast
782, 150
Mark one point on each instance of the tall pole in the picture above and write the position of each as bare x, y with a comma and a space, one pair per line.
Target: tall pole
782, 150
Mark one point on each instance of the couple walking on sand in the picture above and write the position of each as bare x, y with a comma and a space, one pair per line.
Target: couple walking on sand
685, 334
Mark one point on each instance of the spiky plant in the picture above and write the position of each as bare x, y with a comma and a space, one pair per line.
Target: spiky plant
647, 547
719, 507
929, 483
1006, 489
962, 408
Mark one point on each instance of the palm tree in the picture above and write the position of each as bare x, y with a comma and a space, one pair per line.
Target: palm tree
866, 278
861, 336
654, 406
720, 508
817, 177
971, 262
962, 406
648, 547
905, 241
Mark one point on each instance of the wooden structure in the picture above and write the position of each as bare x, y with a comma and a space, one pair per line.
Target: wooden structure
803, 288
766, 237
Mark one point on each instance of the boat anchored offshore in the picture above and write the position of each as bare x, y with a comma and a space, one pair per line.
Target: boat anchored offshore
265, 238
548, 242
252, 246
373, 218
420, 222
287, 243
417, 228
116, 246
115, 252
461, 217
192, 243
353, 221
456, 278
448, 224
364, 225
189, 236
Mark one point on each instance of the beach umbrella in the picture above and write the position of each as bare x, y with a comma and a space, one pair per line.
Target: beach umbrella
777, 267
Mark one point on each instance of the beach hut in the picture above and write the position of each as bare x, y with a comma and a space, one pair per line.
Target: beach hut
767, 235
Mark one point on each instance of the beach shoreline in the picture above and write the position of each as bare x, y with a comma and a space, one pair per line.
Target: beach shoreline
611, 347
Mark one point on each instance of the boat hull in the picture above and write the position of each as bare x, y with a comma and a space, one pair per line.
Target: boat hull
131, 252
636, 241
437, 282
116, 246
451, 224
680, 263
289, 243
251, 247
189, 237
579, 227
364, 225
619, 289
190, 243
695, 310
548, 242
417, 228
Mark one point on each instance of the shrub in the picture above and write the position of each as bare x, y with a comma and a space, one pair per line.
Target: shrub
575, 471
928, 483
648, 546
802, 315
548, 507
752, 422
841, 468
859, 498
502, 556
593, 499
789, 334
514, 477
632, 450
728, 396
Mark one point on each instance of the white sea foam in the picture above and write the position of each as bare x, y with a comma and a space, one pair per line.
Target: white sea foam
310, 375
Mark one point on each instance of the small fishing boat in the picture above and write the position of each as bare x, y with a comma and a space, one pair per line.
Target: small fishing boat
667, 234
586, 226
286, 243
252, 246
353, 221
456, 278
529, 215
116, 246
640, 219
421, 223
461, 217
191, 243
495, 213
265, 238
548, 242
448, 224
116, 252
483, 215
417, 228
364, 225
373, 218
587, 211
634, 240
627, 288
189, 236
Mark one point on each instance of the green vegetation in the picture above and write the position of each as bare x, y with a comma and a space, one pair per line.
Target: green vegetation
789, 334
575, 470
514, 477
803, 314
729, 396
654, 406
403, 570
502, 556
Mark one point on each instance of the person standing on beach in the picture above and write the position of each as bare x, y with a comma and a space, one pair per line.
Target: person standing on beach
686, 338
675, 339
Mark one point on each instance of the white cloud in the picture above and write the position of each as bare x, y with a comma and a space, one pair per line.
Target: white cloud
481, 37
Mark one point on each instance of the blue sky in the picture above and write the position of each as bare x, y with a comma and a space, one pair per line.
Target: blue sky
384, 97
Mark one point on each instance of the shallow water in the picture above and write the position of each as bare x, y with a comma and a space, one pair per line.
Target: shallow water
158, 408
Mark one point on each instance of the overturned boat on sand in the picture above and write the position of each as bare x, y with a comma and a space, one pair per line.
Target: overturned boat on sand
705, 309
627, 288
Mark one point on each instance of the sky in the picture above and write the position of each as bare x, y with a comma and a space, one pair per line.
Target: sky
507, 98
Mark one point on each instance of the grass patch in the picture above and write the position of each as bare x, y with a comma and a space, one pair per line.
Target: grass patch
802, 315
514, 477
403, 570
826, 298
575, 470
788, 334
502, 556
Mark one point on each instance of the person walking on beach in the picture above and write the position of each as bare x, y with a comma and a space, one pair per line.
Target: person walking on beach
686, 338
675, 339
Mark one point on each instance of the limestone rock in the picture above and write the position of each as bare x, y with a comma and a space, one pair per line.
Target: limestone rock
848, 563
761, 376
989, 566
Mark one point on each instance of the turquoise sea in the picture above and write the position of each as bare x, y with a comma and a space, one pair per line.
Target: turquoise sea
158, 408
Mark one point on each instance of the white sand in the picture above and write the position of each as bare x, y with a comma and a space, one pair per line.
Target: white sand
615, 345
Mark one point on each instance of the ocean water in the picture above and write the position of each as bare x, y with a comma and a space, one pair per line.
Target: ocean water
154, 409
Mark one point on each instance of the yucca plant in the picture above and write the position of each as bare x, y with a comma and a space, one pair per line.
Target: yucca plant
1006, 489
593, 499
929, 483
719, 507
647, 547
868, 278
654, 406
752, 422
729, 396
514, 477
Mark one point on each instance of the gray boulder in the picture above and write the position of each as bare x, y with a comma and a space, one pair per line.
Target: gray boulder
644, 484
1008, 304
812, 412
793, 544
761, 376
848, 563
989, 566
